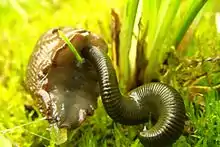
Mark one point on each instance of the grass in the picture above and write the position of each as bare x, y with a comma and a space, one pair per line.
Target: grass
23, 22
72, 48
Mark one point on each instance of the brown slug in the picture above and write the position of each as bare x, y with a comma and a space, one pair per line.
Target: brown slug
65, 91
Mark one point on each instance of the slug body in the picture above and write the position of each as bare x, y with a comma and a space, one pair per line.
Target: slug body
65, 91
161, 100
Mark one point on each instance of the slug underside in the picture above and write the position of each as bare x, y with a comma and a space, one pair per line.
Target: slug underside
74, 89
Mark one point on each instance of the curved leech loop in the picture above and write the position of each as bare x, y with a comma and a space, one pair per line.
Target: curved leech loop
131, 110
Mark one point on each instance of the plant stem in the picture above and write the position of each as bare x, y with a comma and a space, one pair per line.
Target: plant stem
187, 21
70, 45
125, 42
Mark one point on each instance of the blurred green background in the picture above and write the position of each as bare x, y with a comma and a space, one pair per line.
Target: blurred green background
193, 69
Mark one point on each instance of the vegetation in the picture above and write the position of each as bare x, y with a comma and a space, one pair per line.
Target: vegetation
175, 42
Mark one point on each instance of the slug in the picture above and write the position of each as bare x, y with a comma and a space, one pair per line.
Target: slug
66, 91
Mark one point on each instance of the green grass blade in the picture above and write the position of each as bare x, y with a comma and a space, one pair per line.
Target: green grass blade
152, 16
133, 49
125, 42
72, 48
161, 23
196, 6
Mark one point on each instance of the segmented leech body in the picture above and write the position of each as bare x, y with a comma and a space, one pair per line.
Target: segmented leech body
65, 93
163, 101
